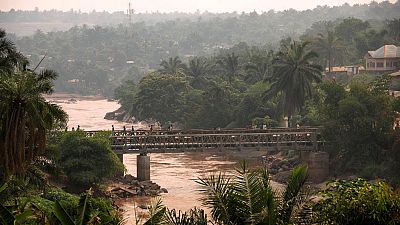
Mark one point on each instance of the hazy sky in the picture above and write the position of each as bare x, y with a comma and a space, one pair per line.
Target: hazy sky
172, 5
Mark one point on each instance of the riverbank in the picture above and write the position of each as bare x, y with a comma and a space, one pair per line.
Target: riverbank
67, 96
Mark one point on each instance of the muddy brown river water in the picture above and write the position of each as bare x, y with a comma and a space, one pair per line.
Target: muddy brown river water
177, 172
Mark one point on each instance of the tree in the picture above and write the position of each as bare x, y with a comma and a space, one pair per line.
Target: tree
347, 29
217, 106
125, 94
293, 76
393, 27
330, 47
248, 198
172, 66
259, 68
357, 125
87, 160
357, 202
230, 66
10, 58
198, 69
160, 97
25, 117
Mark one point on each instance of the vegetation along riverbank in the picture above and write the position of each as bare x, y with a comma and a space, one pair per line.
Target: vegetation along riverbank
325, 99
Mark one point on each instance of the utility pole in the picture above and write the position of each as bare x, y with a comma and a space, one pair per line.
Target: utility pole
130, 12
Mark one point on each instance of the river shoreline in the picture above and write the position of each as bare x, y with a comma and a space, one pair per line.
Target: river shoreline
68, 96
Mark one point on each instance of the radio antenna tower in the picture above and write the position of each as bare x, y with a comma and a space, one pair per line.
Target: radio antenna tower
130, 12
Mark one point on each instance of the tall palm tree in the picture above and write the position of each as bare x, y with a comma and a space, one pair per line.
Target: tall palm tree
172, 66
25, 116
330, 47
293, 76
248, 197
230, 66
197, 69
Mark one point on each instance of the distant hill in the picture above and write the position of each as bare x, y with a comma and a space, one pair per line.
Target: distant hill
96, 58
26, 22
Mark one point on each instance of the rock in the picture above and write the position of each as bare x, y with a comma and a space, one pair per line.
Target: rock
134, 182
109, 116
285, 167
144, 206
129, 178
164, 190
282, 176
152, 192
276, 164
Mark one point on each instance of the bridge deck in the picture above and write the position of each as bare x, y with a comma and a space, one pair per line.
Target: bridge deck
170, 141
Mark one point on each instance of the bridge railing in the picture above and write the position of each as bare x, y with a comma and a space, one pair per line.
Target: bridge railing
140, 132
238, 140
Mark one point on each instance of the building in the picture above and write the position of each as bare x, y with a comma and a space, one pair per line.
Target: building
386, 58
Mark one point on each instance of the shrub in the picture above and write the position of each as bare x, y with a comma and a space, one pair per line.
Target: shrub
87, 160
358, 202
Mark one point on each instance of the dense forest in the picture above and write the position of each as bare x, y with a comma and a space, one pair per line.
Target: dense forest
96, 59
37, 158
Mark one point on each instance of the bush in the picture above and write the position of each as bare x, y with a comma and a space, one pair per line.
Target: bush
87, 160
358, 202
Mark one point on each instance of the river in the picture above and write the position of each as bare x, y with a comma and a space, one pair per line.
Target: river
177, 172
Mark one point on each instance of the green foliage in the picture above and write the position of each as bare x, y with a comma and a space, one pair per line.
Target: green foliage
87, 160
193, 217
293, 76
248, 198
357, 124
358, 202
160, 97
126, 94
156, 212
159, 214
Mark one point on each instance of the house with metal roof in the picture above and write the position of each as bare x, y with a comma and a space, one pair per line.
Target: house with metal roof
386, 58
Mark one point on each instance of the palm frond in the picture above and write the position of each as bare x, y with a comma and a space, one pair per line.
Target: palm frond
291, 194
217, 194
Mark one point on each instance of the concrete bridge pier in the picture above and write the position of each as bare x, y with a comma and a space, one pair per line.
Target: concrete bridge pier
318, 165
143, 167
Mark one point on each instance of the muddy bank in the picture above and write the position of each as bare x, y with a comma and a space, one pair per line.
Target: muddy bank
61, 96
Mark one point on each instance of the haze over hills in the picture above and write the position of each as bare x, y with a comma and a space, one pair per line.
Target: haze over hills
23, 22
109, 49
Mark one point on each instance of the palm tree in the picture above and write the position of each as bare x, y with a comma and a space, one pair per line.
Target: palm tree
9, 56
172, 66
329, 46
198, 69
293, 76
230, 66
25, 117
259, 68
248, 197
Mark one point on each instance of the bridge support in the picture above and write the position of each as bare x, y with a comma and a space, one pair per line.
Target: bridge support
318, 165
143, 167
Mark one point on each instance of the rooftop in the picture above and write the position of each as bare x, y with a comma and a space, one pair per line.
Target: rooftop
386, 51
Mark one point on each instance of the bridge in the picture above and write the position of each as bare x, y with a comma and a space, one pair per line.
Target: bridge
307, 140
135, 141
